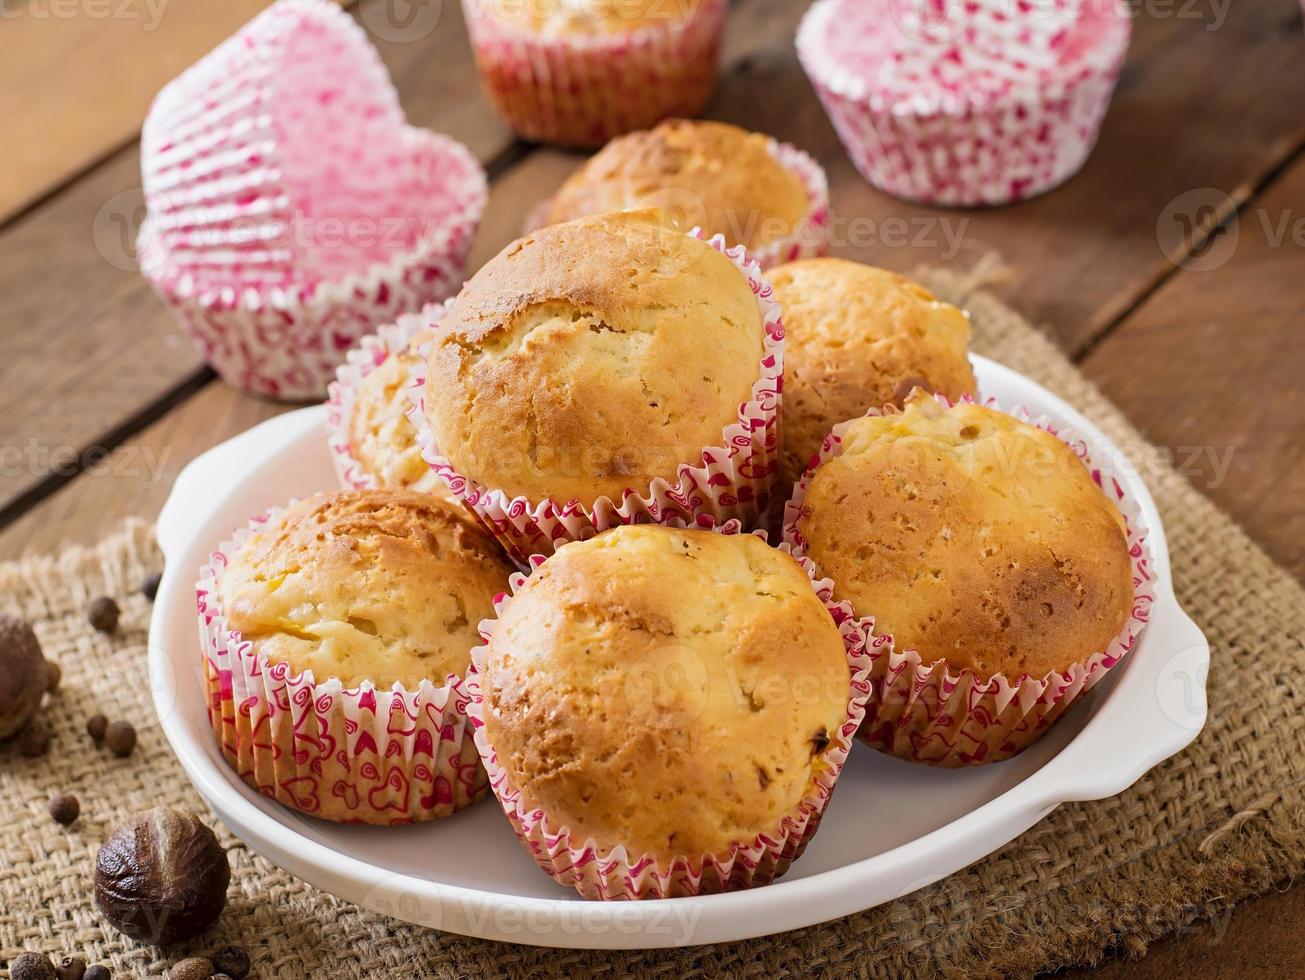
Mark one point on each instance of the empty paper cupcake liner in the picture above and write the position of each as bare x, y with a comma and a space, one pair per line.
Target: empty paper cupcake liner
729, 482
808, 240
354, 755
966, 149
951, 717
583, 89
287, 341
613, 873
373, 351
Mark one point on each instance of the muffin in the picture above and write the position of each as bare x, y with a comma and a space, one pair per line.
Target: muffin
675, 704
579, 74
597, 370
770, 198
856, 338
982, 547
372, 442
359, 609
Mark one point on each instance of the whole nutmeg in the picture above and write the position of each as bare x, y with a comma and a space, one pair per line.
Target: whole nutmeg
232, 961
192, 968
97, 972
120, 737
162, 877
32, 966
24, 675
103, 614
71, 968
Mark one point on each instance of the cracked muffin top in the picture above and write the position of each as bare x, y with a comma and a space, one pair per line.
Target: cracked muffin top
383, 586
560, 18
670, 690
591, 357
971, 537
711, 174
857, 337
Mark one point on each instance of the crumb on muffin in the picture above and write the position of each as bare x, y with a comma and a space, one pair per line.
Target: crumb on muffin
369, 585
971, 537
592, 357
710, 174
670, 690
855, 338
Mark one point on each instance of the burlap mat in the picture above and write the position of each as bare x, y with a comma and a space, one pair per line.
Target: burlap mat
1222, 821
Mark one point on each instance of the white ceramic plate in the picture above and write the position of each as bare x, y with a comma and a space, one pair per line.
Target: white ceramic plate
891, 828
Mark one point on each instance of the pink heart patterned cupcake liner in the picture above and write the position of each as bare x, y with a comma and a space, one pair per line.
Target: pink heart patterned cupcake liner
353, 755
583, 89
1003, 106
614, 873
372, 351
729, 482
947, 717
810, 236
287, 341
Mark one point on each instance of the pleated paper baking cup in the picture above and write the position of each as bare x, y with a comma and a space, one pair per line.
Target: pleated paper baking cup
1011, 124
613, 873
287, 341
353, 755
728, 482
809, 239
407, 468
583, 89
253, 158
952, 717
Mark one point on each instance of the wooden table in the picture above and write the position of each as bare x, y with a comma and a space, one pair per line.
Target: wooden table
1197, 338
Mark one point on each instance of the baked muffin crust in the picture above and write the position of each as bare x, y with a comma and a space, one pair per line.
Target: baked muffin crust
971, 537
855, 338
591, 357
710, 174
375, 585
561, 18
669, 690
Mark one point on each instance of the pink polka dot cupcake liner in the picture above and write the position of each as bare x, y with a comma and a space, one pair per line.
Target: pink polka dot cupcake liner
352, 755
997, 105
583, 89
809, 238
372, 351
949, 717
729, 482
615, 873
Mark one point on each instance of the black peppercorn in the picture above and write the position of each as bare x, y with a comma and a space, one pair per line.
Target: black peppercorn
97, 972
65, 808
233, 961
162, 877
32, 966
35, 741
71, 968
95, 727
150, 587
120, 737
103, 614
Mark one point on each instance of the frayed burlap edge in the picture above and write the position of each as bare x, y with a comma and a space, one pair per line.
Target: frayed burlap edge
1220, 822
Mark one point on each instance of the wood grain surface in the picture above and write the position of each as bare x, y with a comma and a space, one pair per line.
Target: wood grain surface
1191, 326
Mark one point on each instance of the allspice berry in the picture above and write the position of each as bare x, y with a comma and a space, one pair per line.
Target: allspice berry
56, 675
120, 737
71, 968
24, 675
232, 961
103, 614
191, 968
97, 972
150, 587
96, 726
32, 966
65, 809
162, 877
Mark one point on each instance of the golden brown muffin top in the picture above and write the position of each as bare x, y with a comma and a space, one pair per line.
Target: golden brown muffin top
855, 338
381, 438
366, 585
711, 174
591, 357
559, 18
669, 690
971, 537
